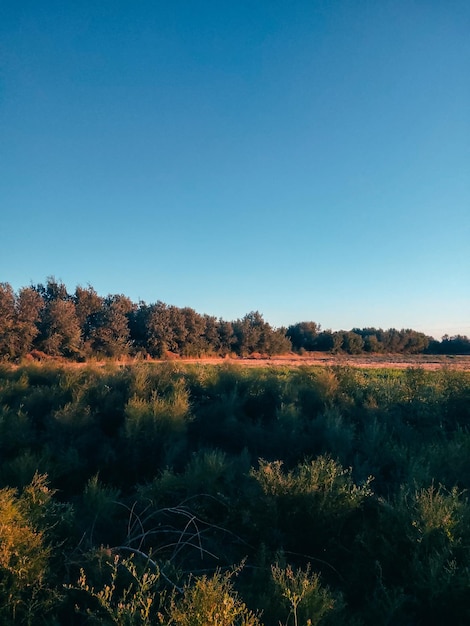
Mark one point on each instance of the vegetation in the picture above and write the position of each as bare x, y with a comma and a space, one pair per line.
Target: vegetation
162, 493
43, 321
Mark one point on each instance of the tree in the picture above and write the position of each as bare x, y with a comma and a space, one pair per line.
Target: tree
248, 332
195, 325
329, 341
352, 343
180, 331
415, 342
138, 320
19, 317
61, 329
7, 321
159, 329
227, 338
276, 342
458, 344
29, 305
87, 304
211, 335
60, 333
52, 290
371, 338
110, 332
304, 335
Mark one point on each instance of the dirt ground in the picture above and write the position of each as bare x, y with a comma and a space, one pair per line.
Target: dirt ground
397, 361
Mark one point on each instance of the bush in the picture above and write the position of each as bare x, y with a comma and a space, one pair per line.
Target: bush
25, 596
210, 601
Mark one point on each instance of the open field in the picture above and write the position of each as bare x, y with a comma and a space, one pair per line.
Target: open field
429, 362
394, 361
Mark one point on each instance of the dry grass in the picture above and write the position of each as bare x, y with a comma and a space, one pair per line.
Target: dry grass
396, 361
393, 361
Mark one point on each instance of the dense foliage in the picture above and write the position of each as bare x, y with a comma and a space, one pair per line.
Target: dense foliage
197, 495
47, 321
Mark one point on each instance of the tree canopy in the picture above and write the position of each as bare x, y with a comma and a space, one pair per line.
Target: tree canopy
47, 319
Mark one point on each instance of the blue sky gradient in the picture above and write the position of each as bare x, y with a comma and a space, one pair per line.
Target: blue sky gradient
308, 159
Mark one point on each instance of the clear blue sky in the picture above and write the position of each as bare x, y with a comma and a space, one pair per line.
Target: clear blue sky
307, 159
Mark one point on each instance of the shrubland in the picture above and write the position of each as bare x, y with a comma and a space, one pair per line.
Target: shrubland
163, 493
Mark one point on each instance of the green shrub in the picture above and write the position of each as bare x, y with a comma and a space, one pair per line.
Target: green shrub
127, 598
25, 594
307, 600
210, 601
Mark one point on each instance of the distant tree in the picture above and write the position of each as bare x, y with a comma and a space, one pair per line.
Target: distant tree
110, 332
352, 343
248, 332
392, 340
402, 341
326, 341
60, 333
370, 338
415, 342
138, 319
7, 321
46, 317
458, 344
195, 325
434, 347
29, 305
304, 335
87, 304
52, 290
159, 329
19, 318
61, 329
277, 342
372, 344
211, 336
252, 333
227, 338
180, 330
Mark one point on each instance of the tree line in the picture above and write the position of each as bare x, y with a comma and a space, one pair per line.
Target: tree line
46, 318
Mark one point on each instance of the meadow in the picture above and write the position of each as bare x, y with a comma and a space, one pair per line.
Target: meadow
202, 494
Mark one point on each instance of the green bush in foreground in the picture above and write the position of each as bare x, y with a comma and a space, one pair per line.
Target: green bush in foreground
161, 478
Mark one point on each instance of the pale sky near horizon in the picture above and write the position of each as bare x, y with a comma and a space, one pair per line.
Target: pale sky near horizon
306, 159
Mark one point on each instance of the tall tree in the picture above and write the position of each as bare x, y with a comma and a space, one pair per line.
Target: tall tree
179, 329
253, 334
7, 321
458, 344
248, 332
304, 335
211, 335
352, 342
160, 331
87, 304
110, 332
52, 290
61, 328
195, 325
59, 325
29, 305
277, 342
227, 338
